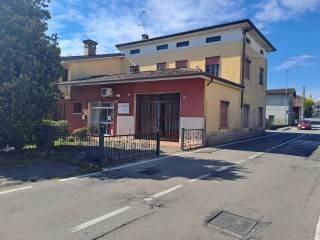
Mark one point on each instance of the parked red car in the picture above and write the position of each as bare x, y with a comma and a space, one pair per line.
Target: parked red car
305, 125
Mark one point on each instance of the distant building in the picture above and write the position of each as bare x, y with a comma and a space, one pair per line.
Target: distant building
282, 109
316, 109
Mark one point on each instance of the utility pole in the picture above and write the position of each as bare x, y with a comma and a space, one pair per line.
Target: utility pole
304, 99
285, 100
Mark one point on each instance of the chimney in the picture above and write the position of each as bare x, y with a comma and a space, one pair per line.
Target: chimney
145, 36
90, 47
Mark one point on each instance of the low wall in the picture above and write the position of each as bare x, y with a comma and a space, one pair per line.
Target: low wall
232, 135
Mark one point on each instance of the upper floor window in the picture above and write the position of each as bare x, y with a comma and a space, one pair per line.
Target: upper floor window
261, 52
213, 39
182, 64
65, 75
213, 65
77, 108
183, 44
161, 66
134, 51
247, 66
261, 76
248, 40
162, 47
134, 69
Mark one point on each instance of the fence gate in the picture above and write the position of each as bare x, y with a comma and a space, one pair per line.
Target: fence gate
158, 112
192, 138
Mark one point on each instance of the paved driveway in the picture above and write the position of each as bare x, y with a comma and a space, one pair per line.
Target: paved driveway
264, 188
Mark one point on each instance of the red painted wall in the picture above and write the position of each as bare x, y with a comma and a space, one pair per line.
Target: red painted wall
191, 97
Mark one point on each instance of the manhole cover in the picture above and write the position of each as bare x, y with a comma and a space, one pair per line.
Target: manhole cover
149, 171
234, 223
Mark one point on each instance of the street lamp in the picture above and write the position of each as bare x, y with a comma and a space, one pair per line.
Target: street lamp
285, 99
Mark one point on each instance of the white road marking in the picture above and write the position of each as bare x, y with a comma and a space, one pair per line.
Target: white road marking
317, 236
15, 190
157, 195
160, 158
253, 156
198, 178
223, 168
241, 161
99, 219
247, 140
122, 166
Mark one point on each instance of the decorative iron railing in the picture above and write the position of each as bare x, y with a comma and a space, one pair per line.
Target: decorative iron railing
192, 138
106, 150
130, 147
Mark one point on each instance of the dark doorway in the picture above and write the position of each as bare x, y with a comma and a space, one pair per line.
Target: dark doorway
158, 112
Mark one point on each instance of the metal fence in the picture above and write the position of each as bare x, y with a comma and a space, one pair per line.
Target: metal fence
124, 147
192, 138
105, 150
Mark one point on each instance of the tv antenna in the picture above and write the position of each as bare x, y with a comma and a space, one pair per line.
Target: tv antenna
144, 20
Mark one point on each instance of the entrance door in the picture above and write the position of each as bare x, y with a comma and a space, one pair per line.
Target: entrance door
101, 114
159, 112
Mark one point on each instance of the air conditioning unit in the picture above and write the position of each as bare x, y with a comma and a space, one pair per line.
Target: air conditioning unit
106, 92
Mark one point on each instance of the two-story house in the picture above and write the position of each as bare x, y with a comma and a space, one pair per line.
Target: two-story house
212, 78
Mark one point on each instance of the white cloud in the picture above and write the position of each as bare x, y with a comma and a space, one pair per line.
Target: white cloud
271, 11
113, 22
71, 47
314, 93
292, 62
117, 21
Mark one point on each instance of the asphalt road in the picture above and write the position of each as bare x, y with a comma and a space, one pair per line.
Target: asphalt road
270, 187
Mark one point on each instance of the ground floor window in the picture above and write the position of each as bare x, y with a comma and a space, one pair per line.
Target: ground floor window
260, 117
77, 108
101, 118
246, 115
224, 112
271, 119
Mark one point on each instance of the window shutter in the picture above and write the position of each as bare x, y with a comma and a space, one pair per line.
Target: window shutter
212, 60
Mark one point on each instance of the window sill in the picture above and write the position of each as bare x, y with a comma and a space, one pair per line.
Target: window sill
77, 113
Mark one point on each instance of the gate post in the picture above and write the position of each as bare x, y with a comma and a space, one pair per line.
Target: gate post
182, 138
158, 143
101, 146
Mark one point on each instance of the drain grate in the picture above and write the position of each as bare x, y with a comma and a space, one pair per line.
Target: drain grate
233, 223
150, 171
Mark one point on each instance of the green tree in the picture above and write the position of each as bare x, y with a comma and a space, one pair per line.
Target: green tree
308, 107
29, 66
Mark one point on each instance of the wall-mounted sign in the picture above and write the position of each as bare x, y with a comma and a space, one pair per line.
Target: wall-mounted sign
123, 108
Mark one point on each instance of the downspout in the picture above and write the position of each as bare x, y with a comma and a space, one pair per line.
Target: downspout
243, 56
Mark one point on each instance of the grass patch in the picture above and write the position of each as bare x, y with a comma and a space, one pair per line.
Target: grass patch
31, 156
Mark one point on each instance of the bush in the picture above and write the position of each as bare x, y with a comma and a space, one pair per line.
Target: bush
81, 133
49, 131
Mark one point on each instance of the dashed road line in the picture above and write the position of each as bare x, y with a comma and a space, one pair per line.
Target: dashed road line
160, 158
317, 236
199, 178
157, 195
15, 190
99, 219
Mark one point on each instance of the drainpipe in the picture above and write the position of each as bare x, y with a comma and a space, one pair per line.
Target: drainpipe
243, 56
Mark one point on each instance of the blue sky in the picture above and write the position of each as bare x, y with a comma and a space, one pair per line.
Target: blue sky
293, 27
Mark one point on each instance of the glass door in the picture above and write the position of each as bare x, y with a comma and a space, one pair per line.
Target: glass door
102, 115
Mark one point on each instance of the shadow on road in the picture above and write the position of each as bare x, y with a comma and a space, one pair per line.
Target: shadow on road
302, 147
179, 167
